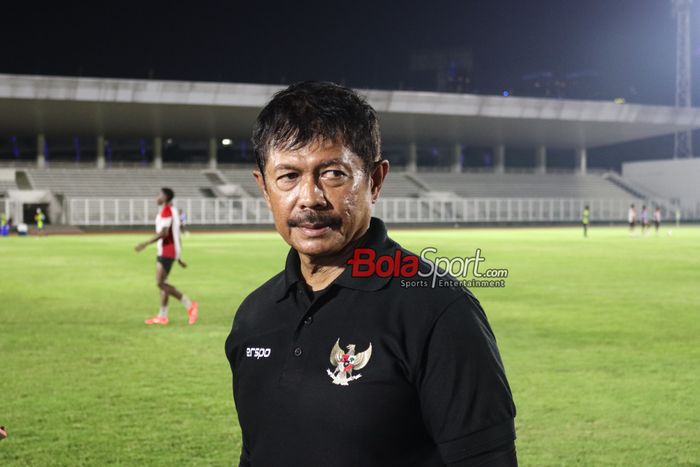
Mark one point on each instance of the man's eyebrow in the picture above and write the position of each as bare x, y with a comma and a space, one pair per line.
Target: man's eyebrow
331, 162
321, 165
286, 167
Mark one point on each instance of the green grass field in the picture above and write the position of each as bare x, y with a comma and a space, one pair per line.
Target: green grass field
600, 339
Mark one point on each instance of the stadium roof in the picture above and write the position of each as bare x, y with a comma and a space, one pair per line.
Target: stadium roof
143, 108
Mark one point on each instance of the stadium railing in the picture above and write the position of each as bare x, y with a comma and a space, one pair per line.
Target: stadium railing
254, 211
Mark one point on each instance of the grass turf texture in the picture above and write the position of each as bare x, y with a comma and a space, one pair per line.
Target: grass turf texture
599, 337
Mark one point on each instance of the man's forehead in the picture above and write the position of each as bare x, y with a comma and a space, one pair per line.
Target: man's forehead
314, 154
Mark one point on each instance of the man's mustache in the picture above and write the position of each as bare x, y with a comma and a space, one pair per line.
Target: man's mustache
315, 218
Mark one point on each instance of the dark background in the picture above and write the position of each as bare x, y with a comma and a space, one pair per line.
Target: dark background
621, 48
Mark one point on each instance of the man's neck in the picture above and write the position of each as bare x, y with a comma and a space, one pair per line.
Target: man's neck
319, 272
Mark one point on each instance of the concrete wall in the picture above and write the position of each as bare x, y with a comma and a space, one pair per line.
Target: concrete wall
675, 179
21, 197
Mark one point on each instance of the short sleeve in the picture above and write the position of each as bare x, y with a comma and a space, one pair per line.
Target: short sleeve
166, 217
465, 398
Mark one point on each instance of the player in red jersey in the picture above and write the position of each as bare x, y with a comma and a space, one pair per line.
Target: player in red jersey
168, 239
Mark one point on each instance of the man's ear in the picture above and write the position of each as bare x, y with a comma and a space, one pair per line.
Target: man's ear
260, 180
377, 177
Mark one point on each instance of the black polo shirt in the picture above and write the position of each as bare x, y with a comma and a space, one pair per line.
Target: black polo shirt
425, 384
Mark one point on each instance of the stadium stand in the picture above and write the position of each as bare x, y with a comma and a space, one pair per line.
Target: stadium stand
516, 185
7, 185
134, 183
120, 183
400, 185
243, 178
396, 186
229, 195
7, 180
213, 187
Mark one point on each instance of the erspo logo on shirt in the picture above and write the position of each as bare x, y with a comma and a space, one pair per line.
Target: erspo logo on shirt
257, 352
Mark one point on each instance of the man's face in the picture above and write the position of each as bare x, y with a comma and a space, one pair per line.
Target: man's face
320, 196
160, 199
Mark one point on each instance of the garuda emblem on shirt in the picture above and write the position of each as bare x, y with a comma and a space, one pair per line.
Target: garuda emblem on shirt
345, 362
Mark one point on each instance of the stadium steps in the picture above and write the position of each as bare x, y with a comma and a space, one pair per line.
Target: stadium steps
396, 185
8, 181
119, 182
23, 182
401, 185
243, 178
207, 192
631, 187
145, 182
639, 191
417, 181
6, 185
624, 184
215, 177
490, 185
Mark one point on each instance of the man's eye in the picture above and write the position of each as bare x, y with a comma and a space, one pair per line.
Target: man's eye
333, 173
289, 176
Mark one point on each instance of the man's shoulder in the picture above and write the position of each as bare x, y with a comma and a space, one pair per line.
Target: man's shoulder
263, 296
431, 290
166, 211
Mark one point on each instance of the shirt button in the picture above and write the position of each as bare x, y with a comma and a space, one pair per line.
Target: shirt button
309, 320
297, 352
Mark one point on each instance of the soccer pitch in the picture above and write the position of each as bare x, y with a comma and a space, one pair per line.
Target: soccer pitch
600, 339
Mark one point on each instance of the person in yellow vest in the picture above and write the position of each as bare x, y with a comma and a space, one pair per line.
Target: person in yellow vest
39, 217
586, 215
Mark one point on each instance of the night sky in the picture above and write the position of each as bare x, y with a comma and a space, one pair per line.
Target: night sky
630, 44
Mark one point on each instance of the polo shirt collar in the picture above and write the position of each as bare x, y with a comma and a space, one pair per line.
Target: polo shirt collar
375, 238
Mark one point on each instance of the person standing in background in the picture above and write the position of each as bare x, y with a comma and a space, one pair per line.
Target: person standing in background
586, 214
183, 223
657, 219
167, 238
39, 218
631, 218
644, 219
4, 225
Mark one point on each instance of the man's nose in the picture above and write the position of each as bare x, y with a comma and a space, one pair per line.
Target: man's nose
310, 193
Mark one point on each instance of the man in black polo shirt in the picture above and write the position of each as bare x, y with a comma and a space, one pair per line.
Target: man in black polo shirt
331, 369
